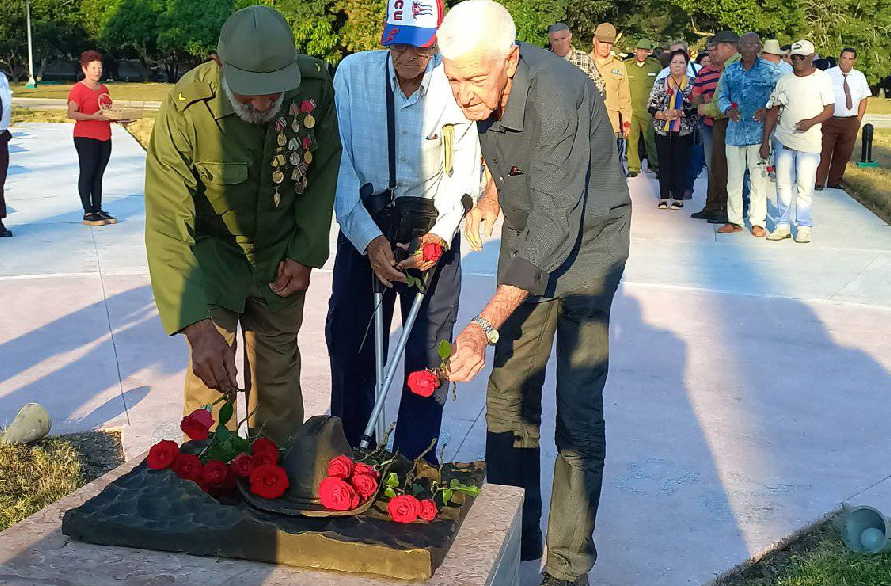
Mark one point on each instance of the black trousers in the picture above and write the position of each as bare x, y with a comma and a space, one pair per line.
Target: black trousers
93, 157
4, 166
349, 331
674, 164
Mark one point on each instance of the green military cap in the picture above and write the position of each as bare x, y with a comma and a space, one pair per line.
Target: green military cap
257, 51
644, 44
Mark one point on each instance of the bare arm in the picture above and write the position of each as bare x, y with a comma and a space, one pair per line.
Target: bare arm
826, 114
74, 114
861, 111
770, 122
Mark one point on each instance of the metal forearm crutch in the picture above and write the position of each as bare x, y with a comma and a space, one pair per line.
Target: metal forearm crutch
375, 422
378, 300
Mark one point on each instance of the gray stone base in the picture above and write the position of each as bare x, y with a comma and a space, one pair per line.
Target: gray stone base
485, 551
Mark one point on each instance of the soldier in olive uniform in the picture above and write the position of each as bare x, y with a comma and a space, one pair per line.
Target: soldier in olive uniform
615, 77
642, 71
240, 181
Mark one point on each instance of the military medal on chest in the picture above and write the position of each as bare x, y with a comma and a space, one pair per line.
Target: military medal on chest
295, 144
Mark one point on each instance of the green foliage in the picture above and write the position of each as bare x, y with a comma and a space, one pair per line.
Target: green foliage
533, 17
444, 349
225, 414
225, 445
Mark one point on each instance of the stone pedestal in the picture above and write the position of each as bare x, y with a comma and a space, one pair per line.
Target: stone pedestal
485, 551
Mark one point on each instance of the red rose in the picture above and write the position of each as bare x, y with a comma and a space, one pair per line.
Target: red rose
423, 382
242, 465
216, 478
307, 142
265, 458
363, 468
364, 484
197, 424
162, 455
307, 106
269, 482
404, 508
266, 448
431, 251
735, 106
340, 467
188, 467
428, 510
337, 495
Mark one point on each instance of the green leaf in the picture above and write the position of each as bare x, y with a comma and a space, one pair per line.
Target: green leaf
444, 350
471, 490
389, 492
226, 445
447, 496
392, 480
225, 415
454, 483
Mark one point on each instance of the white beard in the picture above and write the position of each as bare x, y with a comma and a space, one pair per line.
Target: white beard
247, 112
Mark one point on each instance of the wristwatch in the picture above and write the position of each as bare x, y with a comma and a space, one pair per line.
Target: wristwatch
488, 329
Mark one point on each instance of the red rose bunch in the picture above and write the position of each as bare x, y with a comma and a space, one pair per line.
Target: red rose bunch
162, 455
217, 478
337, 495
188, 467
242, 465
431, 251
269, 481
348, 484
423, 382
265, 452
197, 424
404, 508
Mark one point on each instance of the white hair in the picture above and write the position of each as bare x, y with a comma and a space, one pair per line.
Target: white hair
477, 25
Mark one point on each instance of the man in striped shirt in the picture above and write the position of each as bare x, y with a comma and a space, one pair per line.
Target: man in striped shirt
722, 50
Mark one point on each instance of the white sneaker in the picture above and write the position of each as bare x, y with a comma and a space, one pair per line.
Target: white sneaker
781, 233
803, 234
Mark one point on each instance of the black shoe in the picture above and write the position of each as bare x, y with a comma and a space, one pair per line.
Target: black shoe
548, 580
5, 232
94, 219
531, 547
818, 188
702, 215
834, 186
632, 174
109, 219
718, 219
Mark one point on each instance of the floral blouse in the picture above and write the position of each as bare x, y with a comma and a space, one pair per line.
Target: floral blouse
661, 98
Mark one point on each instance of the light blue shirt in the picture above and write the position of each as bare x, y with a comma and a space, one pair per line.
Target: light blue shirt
360, 95
692, 69
6, 99
750, 90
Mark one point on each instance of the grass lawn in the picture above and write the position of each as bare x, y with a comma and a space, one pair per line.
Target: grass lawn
34, 476
818, 558
140, 129
148, 92
872, 186
878, 106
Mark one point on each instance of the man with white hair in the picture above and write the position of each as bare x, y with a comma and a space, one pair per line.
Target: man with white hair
549, 145
239, 190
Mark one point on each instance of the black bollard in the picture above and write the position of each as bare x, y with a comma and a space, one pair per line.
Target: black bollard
866, 147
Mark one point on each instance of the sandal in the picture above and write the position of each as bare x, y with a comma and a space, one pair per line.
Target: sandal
663, 204
677, 204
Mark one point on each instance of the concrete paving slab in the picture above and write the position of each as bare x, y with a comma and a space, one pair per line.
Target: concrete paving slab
748, 378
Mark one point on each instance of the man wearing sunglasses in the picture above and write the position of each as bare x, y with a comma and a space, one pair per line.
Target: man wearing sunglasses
409, 156
799, 105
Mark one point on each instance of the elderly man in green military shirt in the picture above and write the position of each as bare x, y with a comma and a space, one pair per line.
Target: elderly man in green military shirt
642, 71
240, 181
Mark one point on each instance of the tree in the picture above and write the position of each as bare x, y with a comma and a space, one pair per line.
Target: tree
533, 17
13, 40
363, 23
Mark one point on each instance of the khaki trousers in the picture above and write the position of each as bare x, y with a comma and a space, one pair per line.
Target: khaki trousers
271, 366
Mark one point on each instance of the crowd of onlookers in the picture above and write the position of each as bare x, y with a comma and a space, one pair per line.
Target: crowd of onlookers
770, 123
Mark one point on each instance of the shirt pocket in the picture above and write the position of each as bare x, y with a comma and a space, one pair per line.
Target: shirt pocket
432, 154
224, 186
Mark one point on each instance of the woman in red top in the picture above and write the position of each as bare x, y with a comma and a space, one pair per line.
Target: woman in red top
92, 137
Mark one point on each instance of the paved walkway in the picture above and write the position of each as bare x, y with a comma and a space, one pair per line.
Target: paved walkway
748, 387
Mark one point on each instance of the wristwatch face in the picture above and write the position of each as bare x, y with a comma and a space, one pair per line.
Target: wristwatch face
493, 336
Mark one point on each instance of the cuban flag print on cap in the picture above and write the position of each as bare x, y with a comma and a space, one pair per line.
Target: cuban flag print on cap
412, 22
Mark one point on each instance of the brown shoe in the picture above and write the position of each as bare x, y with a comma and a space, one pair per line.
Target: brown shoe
729, 229
758, 232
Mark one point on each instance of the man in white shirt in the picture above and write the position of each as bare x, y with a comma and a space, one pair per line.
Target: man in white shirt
436, 164
840, 132
798, 107
5, 117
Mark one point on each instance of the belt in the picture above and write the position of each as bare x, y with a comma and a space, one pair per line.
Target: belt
846, 117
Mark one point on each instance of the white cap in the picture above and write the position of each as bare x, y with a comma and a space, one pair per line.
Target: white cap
802, 47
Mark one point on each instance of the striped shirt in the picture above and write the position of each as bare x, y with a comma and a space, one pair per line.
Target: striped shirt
704, 85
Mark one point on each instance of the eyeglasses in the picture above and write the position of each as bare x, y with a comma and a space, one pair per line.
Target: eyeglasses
798, 57
420, 52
